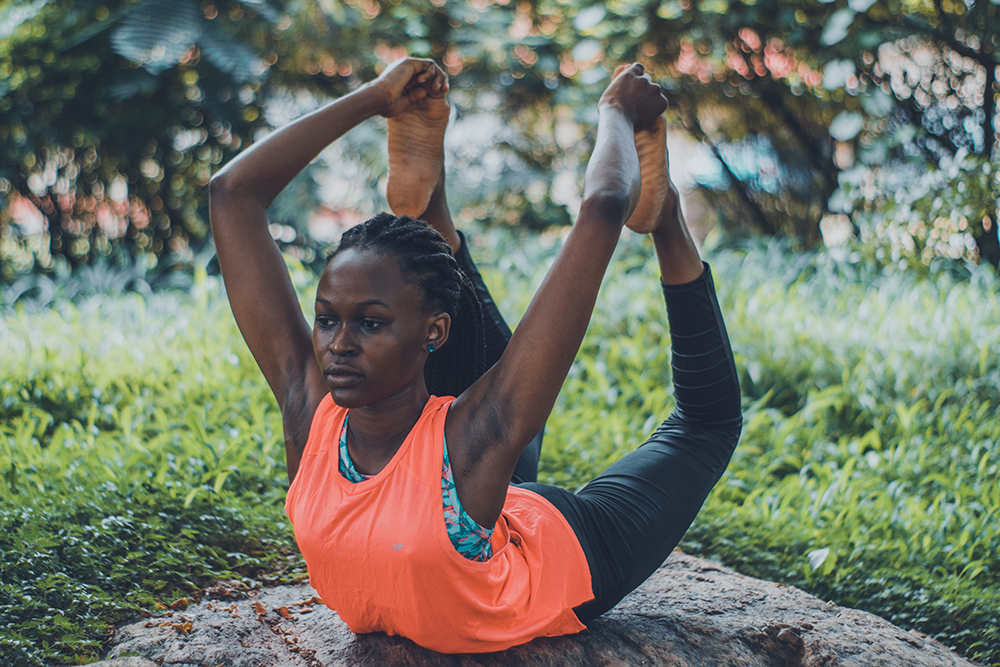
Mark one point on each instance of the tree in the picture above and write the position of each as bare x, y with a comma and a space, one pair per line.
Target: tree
809, 89
113, 113
105, 125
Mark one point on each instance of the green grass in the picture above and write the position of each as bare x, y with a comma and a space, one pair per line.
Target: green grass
141, 457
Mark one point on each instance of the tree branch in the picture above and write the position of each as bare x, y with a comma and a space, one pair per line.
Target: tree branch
760, 219
948, 39
990, 107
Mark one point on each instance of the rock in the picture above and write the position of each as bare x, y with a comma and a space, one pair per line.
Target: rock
690, 613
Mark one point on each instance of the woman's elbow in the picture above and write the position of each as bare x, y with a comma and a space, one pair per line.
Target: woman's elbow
611, 205
219, 186
222, 192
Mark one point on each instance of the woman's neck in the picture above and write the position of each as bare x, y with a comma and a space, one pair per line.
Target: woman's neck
375, 432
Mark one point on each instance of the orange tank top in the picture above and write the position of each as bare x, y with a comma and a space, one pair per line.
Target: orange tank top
378, 551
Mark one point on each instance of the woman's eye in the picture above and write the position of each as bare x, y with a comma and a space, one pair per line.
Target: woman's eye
324, 322
370, 325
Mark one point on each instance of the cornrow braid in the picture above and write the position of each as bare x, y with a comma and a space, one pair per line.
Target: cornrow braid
425, 260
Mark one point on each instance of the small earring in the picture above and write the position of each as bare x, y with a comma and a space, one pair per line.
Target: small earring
430, 348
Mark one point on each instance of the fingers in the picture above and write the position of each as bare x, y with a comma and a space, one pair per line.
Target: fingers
426, 75
633, 91
640, 71
408, 81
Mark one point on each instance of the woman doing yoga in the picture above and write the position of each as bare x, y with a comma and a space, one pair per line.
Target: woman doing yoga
411, 413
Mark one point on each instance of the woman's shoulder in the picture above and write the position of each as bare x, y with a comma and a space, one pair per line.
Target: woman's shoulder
433, 416
326, 412
435, 403
317, 430
437, 409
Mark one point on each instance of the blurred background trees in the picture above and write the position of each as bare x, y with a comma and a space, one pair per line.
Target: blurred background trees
870, 122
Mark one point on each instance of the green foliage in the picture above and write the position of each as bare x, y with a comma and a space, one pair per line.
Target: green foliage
873, 433
911, 217
869, 467
81, 558
114, 113
137, 435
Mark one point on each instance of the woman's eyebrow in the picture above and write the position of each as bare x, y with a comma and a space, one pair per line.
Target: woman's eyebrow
369, 302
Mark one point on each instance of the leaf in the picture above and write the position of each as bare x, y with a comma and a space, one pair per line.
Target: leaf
16, 13
846, 125
220, 480
157, 33
189, 498
230, 56
817, 557
311, 601
838, 25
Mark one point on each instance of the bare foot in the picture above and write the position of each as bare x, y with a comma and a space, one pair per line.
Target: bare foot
657, 194
416, 155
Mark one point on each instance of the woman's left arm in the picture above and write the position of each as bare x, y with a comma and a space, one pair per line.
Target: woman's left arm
260, 291
496, 417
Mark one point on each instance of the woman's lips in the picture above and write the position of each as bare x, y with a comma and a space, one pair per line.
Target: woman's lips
341, 376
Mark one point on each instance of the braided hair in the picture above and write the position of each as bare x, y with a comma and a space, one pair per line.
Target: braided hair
425, 260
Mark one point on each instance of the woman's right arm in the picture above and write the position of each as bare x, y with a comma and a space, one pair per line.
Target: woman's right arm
257, 282
494, 419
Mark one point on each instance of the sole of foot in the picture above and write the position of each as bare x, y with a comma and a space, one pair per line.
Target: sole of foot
416, 156
657, 192
654, 165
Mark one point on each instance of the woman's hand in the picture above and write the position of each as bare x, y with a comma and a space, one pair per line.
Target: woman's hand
260, 290
611, 186
408, 85
634, 94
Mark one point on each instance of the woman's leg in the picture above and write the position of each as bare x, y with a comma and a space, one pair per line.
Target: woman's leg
496, 329
497, 335
416, 144
632, 515
497, 332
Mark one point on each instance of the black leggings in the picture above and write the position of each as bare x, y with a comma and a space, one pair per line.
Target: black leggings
631, 516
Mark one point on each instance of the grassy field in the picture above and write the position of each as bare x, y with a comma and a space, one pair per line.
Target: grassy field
141, 458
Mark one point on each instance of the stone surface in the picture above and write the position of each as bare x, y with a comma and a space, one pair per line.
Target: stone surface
690, 613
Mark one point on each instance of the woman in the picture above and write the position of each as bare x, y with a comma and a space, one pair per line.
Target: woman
401, 499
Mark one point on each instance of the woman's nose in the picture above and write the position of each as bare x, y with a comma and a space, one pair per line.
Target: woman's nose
342, 342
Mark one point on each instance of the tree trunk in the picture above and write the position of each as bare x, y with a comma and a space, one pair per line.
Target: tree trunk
988, 244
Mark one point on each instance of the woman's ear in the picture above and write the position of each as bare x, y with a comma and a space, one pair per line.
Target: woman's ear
437, 331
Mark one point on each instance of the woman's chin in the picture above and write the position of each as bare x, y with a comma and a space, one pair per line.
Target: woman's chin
346, 398
368, 395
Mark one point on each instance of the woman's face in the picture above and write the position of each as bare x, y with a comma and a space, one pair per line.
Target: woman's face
371, 332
